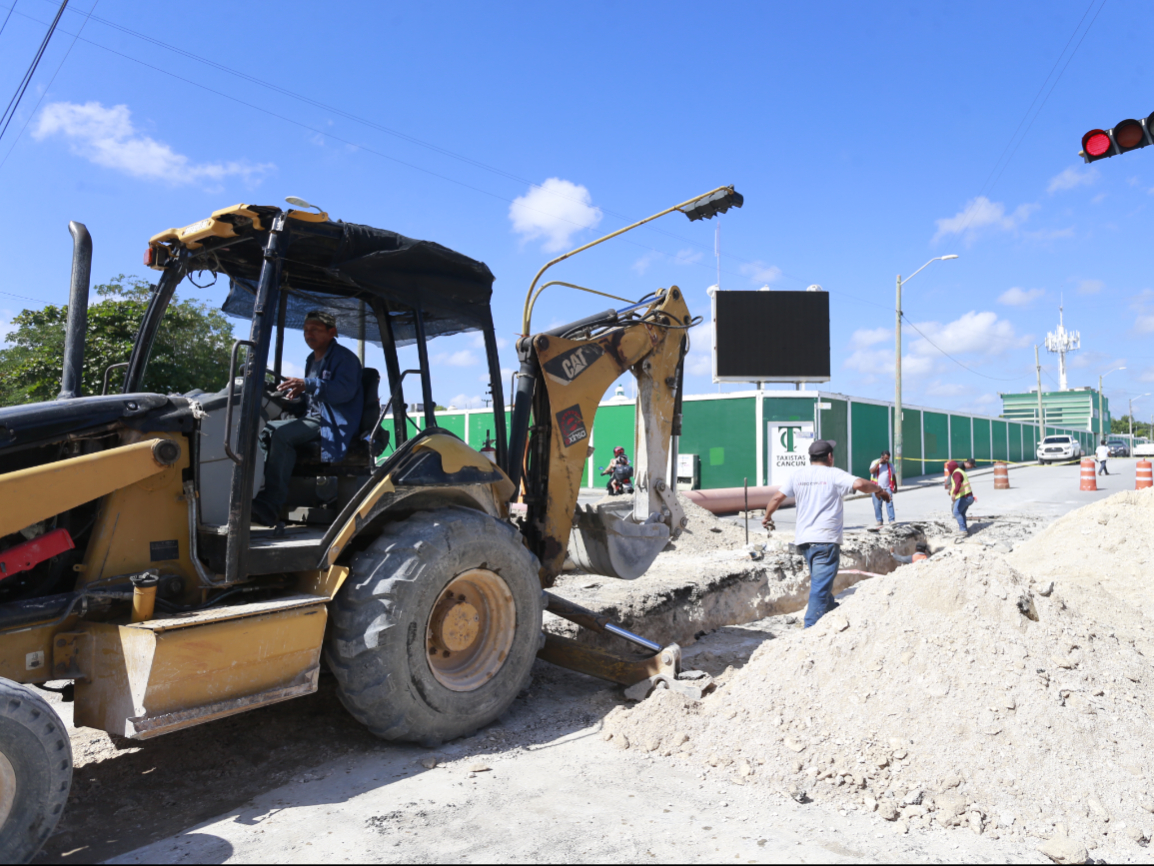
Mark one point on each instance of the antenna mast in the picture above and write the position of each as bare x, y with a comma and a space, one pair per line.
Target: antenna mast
1060, 342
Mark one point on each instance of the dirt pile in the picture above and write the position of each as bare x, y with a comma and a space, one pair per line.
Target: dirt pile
954, 692
1110, 543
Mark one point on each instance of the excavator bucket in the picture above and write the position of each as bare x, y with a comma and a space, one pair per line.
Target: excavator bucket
606, 539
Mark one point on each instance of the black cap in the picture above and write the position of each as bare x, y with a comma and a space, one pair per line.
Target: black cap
822, 447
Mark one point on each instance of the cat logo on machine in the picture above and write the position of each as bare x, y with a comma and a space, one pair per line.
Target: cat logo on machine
569, 365
571, 423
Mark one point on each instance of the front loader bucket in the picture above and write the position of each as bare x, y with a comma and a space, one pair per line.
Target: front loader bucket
606, 540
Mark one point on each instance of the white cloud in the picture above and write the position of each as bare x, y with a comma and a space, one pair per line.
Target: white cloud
688, 257
1144, 324
477, 341
108, 138
981, 213
460, 358
863, 338
465, 401
760, 272
643, 263
1090, 287
948, 389
976, 335
554, 211
1147, 375
294, 371
699, 361
1016, 297
1072, 177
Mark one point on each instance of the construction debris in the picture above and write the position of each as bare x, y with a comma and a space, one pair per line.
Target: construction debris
950, 694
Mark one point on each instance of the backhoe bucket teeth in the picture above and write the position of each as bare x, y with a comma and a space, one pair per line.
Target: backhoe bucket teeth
606, 540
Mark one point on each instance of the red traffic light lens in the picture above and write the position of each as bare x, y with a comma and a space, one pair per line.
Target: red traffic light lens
1128, 134
1096, 142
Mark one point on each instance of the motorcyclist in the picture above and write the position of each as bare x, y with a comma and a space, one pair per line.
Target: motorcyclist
621, 472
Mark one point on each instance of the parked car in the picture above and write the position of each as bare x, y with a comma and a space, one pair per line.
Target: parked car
1118, 447
1144, 449
1058, 449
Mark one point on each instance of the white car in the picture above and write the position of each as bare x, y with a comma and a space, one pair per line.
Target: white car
1145, 449
1058, 449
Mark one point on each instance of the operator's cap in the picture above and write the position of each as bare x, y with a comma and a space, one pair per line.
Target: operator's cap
822, 447
326, 319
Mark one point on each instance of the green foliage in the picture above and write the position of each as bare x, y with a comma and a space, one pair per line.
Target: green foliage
1122, 425
191, 348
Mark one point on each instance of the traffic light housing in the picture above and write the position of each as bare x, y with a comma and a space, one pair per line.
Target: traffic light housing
711, 205
1125, 136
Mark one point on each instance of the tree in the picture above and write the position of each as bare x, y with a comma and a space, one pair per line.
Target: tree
191, 348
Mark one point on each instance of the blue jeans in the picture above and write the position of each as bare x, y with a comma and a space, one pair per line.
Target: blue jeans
279, 441
823, 561
878, 508
961, 506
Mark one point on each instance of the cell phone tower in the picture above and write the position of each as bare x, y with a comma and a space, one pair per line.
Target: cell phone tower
1060, 342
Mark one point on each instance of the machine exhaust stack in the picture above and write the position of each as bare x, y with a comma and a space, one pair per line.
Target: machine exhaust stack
77, 327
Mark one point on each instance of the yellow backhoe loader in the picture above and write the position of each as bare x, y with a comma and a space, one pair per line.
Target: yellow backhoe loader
131, 568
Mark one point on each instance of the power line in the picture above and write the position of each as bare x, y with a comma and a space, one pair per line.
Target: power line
47, 87
14, 102
956, 361
6, 17
399, 134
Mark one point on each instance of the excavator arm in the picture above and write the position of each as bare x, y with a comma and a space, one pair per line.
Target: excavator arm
571, 368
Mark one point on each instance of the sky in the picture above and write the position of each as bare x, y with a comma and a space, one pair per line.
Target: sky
866, 139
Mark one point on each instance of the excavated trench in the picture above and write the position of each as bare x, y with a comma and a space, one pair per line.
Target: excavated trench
714, 581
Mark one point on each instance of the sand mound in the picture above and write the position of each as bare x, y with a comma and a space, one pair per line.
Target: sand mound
951, 693
1110, 542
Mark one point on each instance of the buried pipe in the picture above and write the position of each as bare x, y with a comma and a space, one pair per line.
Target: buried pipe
730, 500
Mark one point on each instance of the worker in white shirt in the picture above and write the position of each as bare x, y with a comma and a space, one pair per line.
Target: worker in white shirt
1102, 452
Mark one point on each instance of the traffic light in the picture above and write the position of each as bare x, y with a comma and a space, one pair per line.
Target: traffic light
1126, 135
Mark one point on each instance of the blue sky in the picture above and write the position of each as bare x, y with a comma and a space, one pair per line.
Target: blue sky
865, 140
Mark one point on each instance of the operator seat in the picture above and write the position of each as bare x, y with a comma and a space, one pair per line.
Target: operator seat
357, 459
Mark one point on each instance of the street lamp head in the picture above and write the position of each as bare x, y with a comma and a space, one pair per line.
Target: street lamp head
950, 256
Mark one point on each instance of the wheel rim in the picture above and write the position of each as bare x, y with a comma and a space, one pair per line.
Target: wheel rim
470, 630
7, 788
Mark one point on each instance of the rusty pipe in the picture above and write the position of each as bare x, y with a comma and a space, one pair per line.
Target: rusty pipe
730, 500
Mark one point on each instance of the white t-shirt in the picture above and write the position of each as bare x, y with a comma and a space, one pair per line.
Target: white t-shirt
884, 476
1103, 452
818, 492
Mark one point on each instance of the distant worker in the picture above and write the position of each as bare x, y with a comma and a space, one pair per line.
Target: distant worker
818, 490
961, 495
1102, 452
921, 554
970, 464
882, 473
621, 472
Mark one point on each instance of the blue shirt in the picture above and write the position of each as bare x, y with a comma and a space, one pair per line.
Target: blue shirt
335, 398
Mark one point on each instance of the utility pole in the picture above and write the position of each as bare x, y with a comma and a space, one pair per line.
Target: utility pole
898, 387
1041, 412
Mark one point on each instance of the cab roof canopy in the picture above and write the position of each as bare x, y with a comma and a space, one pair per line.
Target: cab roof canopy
334, 266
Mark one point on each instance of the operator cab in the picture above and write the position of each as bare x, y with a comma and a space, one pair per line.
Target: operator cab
379, 286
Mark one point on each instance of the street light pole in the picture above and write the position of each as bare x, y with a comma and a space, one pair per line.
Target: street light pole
898, 367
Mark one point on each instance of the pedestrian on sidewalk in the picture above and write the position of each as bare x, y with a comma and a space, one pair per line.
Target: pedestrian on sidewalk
961, 496
817, 490
1102, 452
883, 475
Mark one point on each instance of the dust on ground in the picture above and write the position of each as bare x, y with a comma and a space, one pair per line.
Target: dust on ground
956, 695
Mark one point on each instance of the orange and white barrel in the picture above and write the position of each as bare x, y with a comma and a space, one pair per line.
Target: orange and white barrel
1001, 476
1143, 475
1089, 482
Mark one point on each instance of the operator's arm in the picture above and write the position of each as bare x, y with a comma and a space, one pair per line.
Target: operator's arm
772, 506
862, 486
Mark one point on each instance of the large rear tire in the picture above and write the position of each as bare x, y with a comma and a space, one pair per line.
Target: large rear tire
35, 771
435, 631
